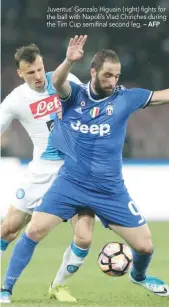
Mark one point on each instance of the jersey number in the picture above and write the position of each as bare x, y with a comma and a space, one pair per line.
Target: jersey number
134, 210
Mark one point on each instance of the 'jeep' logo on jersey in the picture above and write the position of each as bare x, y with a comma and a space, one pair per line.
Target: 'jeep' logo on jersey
45, 106
93, 129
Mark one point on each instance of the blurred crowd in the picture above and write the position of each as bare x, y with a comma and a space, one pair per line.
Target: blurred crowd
144, 54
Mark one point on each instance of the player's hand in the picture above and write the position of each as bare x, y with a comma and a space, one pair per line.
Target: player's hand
75, 48
59, 113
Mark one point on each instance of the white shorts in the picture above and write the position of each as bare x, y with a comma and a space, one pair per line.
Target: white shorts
37, 181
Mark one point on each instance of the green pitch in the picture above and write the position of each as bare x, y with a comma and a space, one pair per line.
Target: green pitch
90, 286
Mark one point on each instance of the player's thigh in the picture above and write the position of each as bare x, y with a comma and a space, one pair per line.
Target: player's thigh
139, 238
41, 224
14, 220
53, 209
83, 224
133, 228
119, 209
121, 214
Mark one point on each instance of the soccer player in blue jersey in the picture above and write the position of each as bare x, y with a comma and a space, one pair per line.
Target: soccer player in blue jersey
91, 134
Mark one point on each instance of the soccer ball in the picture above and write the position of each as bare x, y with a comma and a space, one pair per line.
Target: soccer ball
115, 259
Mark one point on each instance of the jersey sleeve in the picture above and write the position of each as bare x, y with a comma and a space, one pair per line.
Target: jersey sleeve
71, 99
8, 110
137, 98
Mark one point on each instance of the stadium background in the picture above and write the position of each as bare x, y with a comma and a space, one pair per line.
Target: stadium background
144, 54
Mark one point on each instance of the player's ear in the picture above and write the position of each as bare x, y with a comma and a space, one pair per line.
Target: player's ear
19, 73
93, 72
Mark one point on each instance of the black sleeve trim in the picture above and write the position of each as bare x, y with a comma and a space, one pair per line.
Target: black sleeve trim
148, 101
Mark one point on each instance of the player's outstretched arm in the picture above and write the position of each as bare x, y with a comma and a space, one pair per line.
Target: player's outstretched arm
74, 53
160, 97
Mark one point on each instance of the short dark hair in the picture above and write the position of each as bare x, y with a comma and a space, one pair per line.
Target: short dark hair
26, 53
103, 56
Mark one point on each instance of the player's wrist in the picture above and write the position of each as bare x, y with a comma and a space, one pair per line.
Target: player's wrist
69, 61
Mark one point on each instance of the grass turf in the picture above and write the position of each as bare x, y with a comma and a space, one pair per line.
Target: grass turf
90, 286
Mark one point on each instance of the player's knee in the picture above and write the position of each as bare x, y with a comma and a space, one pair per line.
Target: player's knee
145, 247
13, 236
83, 240
14, 229
35, 232
10, 228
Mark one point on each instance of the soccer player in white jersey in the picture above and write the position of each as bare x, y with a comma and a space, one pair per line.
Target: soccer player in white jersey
34, 104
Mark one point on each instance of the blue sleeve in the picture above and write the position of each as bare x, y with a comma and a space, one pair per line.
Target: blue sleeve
137, 98
71, 99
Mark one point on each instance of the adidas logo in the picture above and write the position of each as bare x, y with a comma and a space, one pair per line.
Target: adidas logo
78, 110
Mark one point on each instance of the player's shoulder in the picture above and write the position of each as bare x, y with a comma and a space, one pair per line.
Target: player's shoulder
15, 95
79, 88
136, 91
49, 75
73, 78
19, 90
119, 90
128, 92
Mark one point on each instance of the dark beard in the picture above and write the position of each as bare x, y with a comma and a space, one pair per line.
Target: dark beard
99, 90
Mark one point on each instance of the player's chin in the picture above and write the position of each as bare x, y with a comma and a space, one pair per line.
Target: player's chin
39, 85
108, 92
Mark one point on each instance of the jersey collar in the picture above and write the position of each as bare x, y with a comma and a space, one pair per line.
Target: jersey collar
90, 96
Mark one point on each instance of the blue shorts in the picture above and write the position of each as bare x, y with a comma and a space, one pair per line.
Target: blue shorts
65, 199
